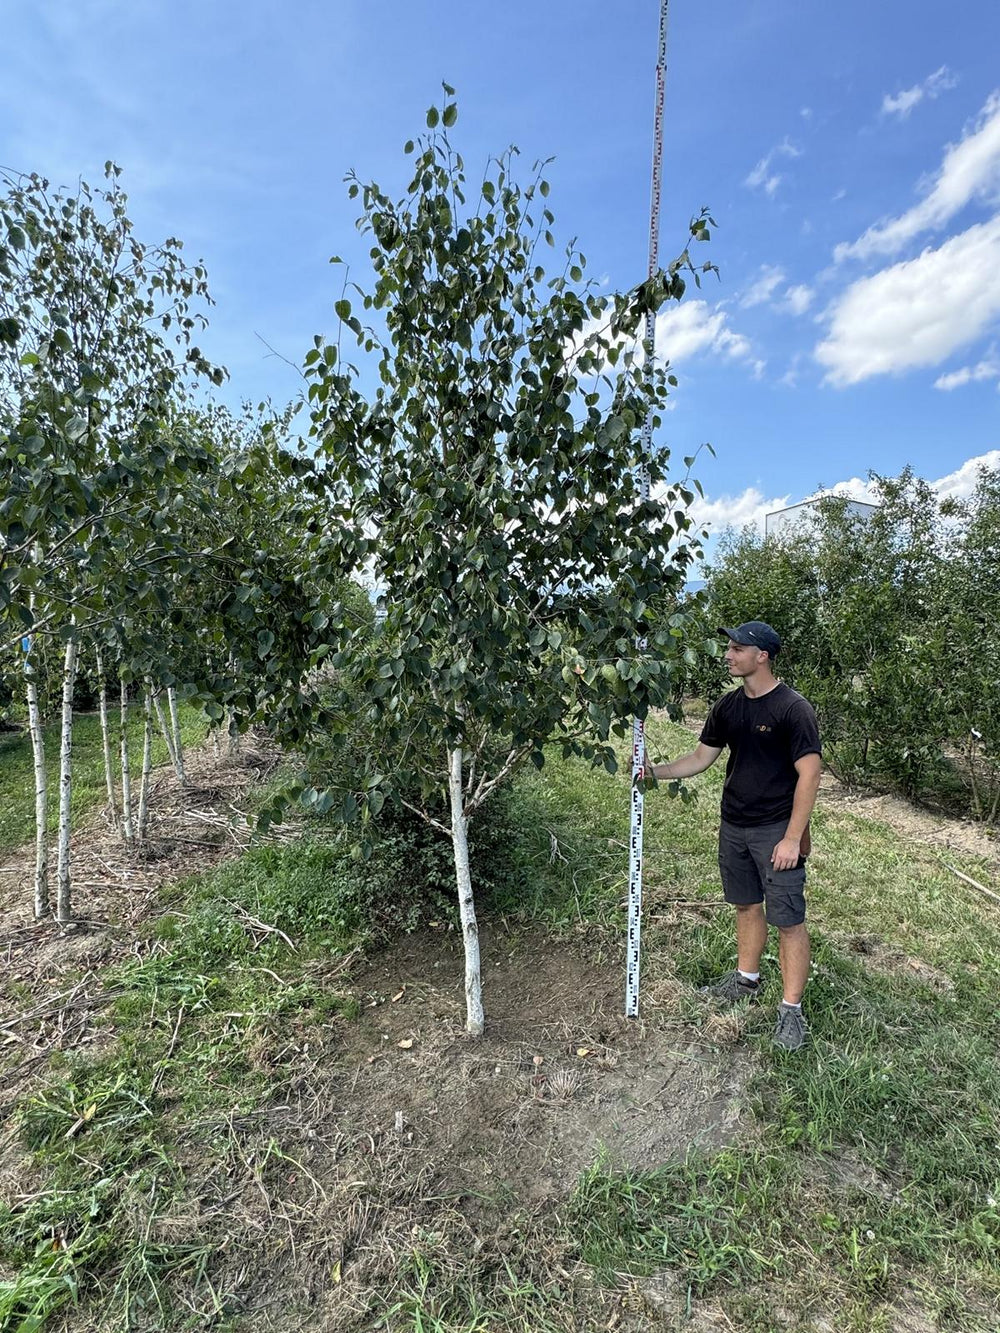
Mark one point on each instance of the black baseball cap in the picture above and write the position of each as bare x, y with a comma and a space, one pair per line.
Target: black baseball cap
755, 634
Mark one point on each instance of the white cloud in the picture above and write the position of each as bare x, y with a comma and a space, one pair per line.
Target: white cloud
962, 482
902, 103
694, 326
915, 313
984, 370
798, 299
970, 169
749, 507
762, 291
752, 505
771, 276
762, 176
791, 376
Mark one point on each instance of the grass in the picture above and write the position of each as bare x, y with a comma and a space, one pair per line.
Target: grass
868, 1180
211, 1019
901, 1076
206, 1027
17, 774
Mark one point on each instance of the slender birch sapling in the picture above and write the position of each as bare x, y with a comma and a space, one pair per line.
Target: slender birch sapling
490, 482
64, 905
147, 763
42, 905
128, 829
102, 708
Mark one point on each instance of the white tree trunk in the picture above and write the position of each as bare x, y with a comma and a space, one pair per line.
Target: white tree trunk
147, 763
42, 907
164, 729
109, 772
63, 875
466, 906
127, 831
178, 747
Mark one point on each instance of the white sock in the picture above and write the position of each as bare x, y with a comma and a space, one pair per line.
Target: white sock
787, 1004
750, 976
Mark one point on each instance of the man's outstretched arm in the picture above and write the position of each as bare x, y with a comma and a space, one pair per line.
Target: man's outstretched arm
687, 765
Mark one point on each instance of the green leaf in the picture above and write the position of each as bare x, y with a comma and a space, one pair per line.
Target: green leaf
432, 117
450, 115
343, 309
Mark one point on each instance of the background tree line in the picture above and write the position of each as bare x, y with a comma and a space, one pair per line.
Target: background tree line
889, 622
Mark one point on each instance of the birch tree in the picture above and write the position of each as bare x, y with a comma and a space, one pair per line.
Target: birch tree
492, 480
41, 894
95, 341
63, 890
102, 709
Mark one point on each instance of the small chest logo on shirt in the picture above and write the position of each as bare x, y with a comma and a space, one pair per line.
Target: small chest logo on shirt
762, 727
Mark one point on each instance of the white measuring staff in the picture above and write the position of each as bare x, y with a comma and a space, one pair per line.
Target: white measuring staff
632, 946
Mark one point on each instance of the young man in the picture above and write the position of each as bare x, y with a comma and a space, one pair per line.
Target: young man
772, 777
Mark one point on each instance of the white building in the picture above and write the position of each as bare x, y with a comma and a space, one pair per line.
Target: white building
802, 515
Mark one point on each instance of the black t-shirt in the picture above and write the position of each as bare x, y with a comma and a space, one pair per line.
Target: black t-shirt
765, 737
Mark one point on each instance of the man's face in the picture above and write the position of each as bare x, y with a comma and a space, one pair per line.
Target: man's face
743, 659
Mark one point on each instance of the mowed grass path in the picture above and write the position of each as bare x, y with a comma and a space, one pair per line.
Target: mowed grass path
17, 773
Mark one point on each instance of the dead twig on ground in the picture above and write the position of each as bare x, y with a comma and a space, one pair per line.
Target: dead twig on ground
974, 882
157, 1077
252, 923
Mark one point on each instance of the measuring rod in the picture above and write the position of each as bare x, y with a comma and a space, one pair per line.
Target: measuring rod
632, 947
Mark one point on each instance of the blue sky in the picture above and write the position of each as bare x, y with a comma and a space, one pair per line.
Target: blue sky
850, 154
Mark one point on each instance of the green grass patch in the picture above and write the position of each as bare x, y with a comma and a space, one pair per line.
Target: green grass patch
901, 1075
210, 1020
871, 1170
17, 773
208, 1024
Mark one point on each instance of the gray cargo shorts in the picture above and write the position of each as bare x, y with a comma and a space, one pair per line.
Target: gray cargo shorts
749, 877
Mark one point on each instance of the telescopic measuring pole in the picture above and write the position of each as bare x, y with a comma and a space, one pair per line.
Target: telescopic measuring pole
638, 725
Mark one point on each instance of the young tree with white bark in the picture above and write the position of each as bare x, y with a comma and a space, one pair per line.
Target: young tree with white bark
492, 480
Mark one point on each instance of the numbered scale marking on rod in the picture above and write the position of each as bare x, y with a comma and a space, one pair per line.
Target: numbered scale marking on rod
632, 948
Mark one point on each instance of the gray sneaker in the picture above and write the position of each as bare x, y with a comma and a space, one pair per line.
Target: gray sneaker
791, 1029
733, 988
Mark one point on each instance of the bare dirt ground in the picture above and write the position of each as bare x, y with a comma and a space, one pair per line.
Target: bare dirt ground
424, 1139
